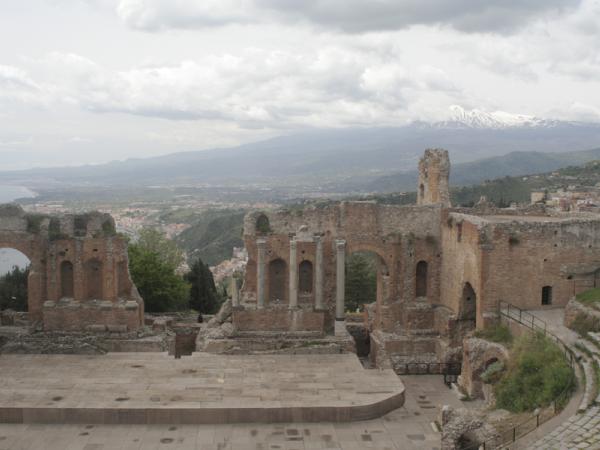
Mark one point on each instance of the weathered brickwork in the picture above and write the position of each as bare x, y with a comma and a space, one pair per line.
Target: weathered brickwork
79, 276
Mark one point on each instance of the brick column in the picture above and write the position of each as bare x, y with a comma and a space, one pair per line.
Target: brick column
293, 275
319, 274
261, 245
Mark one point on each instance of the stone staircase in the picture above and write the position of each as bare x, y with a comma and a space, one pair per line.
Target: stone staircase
581, 430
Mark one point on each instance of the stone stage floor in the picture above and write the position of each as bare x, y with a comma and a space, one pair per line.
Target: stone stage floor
154, 388
407, 428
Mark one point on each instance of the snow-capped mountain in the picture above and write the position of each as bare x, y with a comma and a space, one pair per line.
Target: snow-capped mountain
477, 118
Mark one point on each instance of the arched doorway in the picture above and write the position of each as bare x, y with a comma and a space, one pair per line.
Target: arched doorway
305, 278
278, 282
14, 279
421, 279
66, 280
366, 278
468, 306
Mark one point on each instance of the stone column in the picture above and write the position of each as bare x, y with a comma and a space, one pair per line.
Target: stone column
261, 245
319, 274
235, 296
293, 274
340, 282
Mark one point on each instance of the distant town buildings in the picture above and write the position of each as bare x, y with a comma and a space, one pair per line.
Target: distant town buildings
572, 199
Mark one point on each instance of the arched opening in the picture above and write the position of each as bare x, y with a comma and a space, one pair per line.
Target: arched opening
262, 224
93, 279
66, 279
14, 279
367, 277
468, 304
421, 191
305, 277
278, 284
421, 279
547, 295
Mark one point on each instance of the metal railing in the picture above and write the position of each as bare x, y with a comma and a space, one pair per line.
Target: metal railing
520, 430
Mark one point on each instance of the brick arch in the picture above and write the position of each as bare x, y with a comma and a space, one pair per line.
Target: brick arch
385, 284
34, 251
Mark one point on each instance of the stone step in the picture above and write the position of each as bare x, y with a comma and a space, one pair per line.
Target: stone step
595, 338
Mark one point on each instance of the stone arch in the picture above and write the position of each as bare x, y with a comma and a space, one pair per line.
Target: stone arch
278, 282
305, 277
67, 289
12, 259
93, 279
383, 283
421, 279
32, 249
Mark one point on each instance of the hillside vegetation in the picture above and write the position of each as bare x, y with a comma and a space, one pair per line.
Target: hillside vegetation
213, 235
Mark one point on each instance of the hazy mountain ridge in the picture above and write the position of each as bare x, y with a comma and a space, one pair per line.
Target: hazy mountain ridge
349, 157
512, 164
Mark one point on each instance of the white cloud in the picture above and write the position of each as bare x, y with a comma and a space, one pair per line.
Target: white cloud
332, 86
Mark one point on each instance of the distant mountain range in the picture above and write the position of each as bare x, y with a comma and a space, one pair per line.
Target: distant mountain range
349, 160
512, 164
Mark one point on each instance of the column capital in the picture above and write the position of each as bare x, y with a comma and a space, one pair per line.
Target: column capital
261, 243
340, 244
293, 242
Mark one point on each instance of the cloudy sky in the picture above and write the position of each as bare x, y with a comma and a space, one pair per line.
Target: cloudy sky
94, 80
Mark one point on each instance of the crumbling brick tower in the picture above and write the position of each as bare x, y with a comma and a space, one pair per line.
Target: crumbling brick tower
434, 172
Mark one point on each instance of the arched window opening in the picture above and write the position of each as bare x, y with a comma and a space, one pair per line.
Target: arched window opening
277, 281
93, 279
469, 303
66, 279
421, 279
305, 280
262, 224
547, 295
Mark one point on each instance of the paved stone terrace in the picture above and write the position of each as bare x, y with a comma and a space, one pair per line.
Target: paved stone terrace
407, 428
144, 388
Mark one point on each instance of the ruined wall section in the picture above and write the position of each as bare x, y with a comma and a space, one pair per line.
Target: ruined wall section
79, 275
401, 236
523, 257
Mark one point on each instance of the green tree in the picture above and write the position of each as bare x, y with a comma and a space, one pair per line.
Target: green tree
13, 289
157, 242
157, 281
203, 292
361, 281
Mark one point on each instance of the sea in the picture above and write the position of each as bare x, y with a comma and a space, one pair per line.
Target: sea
10, 257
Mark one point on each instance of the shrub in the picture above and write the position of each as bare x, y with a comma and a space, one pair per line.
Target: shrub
537, 374
584, 324
591, 298
493, 373
497, 333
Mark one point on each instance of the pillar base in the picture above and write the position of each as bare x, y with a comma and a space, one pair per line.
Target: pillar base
340, 327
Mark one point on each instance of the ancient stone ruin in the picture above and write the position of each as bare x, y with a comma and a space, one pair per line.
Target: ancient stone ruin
441, 271
79, 276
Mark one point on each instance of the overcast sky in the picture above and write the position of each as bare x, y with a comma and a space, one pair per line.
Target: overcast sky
95, 80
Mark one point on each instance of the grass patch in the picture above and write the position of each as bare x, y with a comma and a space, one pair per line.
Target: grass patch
498, 333
584, 324
537, 373
590, 298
